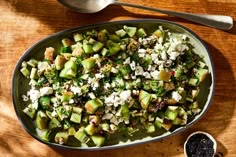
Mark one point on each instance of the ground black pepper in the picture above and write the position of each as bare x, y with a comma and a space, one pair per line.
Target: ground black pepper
199, 145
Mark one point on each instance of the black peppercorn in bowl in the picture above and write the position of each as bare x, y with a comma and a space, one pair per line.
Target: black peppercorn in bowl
200, 144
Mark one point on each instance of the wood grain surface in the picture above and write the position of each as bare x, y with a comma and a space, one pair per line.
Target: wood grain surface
24, 22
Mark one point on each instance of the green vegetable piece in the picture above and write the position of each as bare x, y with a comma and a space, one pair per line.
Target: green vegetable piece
97, 46
46, 135
71, 131
50, 74
67, 96
103, 35
150, 128
78, 50
59, 62
32, 62
63, 112
194, 105
178, 73
130, 30
113, 47
195, 93
25, 72
77, 109
98, 140
54, 123
121, 32
66, 124
30, 111
61, 137
88, 47
92, 105
33, 73
158, 122
41, 120
177, 121
82, 136
201, 74
78, 37
44, 101
193, 82
144, 99
88, 64
90, 129
159, 33
69, 71
201, 64
105, 52
164, 76
67, 42
76, 117
141, 32
125, 70
106, 69
24, 64
167, 124
124, 112
65, 50
49, 114
133, 46
105, 126
114, 38
171, 112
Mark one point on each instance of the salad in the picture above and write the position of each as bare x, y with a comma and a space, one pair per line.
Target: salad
103, 83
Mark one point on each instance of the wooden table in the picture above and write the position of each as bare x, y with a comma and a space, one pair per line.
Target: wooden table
24, 22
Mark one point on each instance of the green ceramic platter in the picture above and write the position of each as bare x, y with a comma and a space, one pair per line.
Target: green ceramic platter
20, 83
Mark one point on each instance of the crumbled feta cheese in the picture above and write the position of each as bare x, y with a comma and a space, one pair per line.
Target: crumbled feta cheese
109, 101
46, 91
107, 116
176, 96
113, 127
141, 50
99, 76
127, 61
181, 47
139, 70
132, 65
155, 74
173, 55
114, 70
125, 95
147, 75
107, 85
54, 113
133, 77
149, 67
141, 55
42, 66
114, 121
184, 37
34, 95
164, 56
135, 92
25, 98
35, 105
158, 46
91, 95
71, 101
76, 90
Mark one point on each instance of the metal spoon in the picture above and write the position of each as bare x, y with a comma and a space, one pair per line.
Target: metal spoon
93, 6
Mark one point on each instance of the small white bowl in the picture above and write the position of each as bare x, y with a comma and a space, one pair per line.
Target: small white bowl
201, 132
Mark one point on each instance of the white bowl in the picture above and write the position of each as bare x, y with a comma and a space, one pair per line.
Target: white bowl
201, 132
